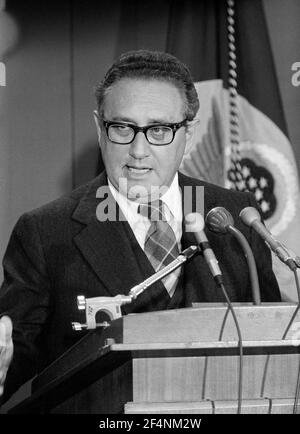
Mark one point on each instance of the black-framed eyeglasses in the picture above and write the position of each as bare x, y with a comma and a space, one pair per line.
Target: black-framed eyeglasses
159, 134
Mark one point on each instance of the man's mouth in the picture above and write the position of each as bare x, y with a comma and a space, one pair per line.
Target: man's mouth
139, 170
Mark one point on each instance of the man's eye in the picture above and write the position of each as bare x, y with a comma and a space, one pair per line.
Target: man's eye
159, 130
121, 129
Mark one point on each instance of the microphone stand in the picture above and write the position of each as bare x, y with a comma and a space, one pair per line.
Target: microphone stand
112, 305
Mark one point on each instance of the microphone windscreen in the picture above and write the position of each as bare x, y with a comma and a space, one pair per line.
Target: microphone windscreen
249, 215
194, 222
218, 219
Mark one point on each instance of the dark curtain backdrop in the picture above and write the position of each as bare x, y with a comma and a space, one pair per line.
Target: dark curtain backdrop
197, 34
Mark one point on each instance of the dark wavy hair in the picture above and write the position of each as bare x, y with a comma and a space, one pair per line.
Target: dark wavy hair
153, 65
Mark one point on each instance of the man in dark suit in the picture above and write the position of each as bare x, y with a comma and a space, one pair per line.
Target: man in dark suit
145, 118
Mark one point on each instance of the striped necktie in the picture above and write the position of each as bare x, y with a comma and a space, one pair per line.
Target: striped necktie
160, 246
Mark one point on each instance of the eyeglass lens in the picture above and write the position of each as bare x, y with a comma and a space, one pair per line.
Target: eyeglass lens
155, 135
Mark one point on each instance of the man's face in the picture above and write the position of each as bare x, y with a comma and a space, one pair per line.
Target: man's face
142, 102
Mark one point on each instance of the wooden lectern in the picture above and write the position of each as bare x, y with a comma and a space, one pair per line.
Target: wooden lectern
177, 361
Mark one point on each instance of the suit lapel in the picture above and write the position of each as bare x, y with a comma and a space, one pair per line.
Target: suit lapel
105, 245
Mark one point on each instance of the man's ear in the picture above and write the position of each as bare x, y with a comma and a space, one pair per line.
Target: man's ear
189, 134
97, 122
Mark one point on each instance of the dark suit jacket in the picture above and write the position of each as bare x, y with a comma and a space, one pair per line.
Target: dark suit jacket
61, 250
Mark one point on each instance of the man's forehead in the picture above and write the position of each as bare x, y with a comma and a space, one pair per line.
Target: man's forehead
146, 95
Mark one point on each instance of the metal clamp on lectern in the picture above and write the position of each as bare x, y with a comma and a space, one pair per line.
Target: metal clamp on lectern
112, 305
109, 305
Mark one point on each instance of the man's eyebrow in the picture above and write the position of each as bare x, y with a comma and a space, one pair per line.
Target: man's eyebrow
122, 119
159, 121
150, 121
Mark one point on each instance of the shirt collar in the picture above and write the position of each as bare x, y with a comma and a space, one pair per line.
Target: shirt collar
172, 198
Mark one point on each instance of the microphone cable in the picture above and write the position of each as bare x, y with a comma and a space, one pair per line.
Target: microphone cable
251, 217
220, 220
195, 224
297, 393
240, 345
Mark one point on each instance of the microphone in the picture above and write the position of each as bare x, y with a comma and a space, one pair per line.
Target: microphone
194, 222
220, 220
251, 217
178, 262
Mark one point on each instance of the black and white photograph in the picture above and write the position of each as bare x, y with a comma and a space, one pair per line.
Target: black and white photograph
149, 210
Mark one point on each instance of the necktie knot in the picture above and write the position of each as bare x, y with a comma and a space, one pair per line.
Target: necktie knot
154, 211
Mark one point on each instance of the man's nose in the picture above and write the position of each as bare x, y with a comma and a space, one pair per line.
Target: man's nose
140, 147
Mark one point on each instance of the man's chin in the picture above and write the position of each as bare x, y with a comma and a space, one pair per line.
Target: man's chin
142, 190
139, 191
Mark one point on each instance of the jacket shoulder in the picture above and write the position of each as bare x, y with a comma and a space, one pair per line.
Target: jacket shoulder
217, 192
64, 205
